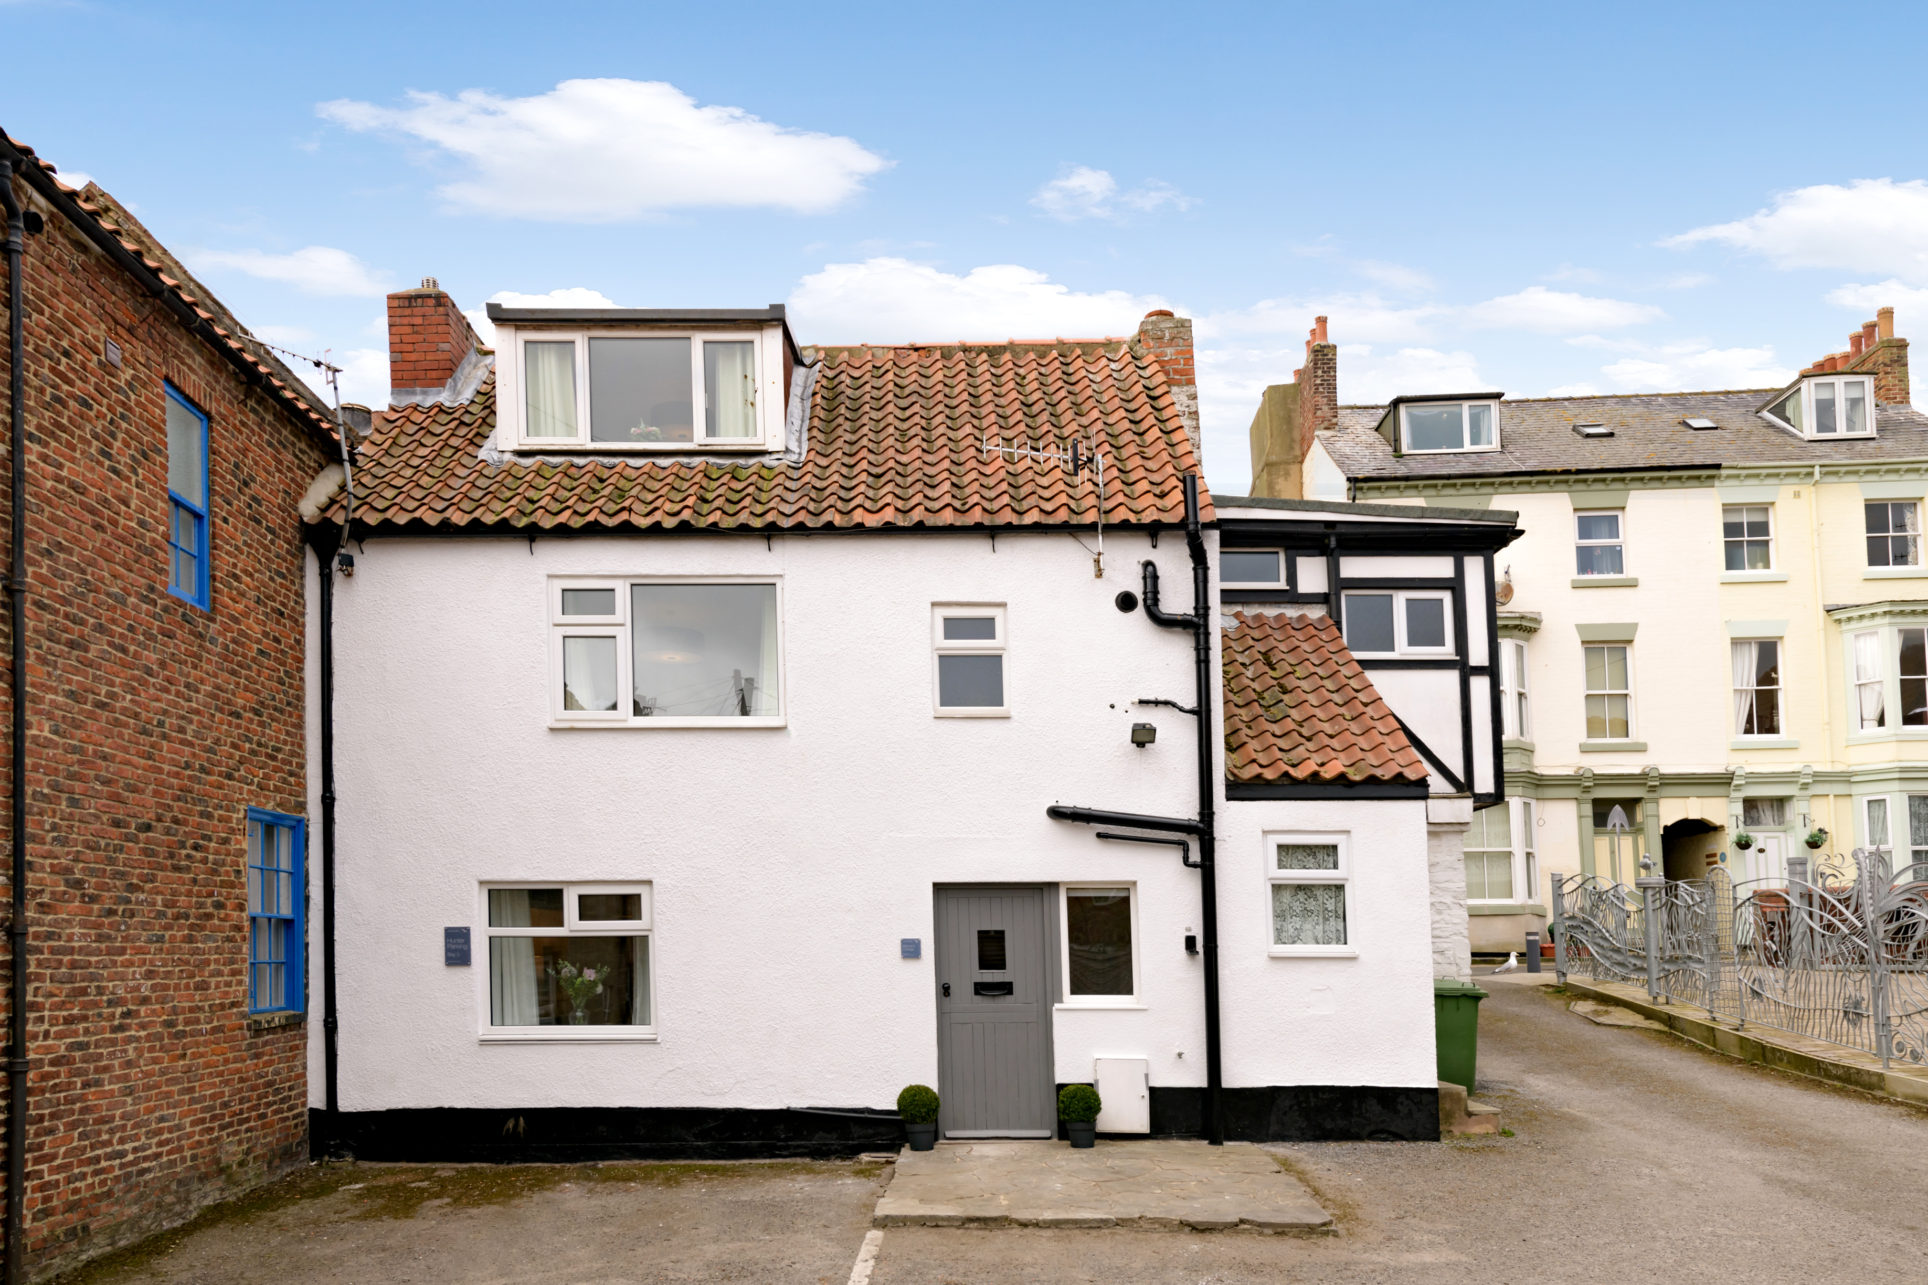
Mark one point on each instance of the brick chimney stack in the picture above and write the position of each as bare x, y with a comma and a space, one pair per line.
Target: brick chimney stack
1167, 340
1318, 382
431, 346
1289, 416
1873, 350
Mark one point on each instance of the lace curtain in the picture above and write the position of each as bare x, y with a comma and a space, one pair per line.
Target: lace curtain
1309, 914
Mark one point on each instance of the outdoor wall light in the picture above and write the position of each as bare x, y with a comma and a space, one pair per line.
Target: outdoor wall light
1143, 734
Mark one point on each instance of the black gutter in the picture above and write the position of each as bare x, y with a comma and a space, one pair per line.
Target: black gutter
326, 542
17, 624
1201, 621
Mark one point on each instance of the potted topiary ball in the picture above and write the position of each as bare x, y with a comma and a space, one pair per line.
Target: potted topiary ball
1078, 1107
917, 1104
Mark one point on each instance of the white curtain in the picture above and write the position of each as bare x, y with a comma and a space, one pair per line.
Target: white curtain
1867, 680
589, 673
549, 370
729, 373
770, 700
639, 1013
512, 961
1744, 670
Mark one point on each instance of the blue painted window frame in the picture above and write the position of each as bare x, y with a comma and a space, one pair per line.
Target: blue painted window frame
276, 924
179, 507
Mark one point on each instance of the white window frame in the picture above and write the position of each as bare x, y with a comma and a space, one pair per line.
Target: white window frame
1780, 731
1280, 583
1516, 706
1070, 1000
479, 961
511, 381
1512, 851
1400, 597
1618, 542
1916, 856
1342, 839
1839, 383
1727, 540
1888, 821
618, 627
1633, 727
942, 646
1870, 535
1405, 444
1529, 849
1878, 680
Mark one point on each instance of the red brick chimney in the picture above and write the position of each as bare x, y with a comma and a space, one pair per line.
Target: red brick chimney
1167, 340
430, 343
1873, 350
1289, 415
1318, 382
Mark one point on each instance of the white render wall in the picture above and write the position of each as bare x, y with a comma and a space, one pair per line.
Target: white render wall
787, 863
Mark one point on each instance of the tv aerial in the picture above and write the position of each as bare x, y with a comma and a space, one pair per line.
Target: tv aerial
1077, 459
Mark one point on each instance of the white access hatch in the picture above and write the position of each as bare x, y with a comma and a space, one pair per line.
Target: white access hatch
1124, 1088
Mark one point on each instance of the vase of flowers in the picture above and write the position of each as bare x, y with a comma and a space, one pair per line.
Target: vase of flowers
581, 985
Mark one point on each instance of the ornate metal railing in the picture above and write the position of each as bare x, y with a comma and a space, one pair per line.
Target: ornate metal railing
1837, 951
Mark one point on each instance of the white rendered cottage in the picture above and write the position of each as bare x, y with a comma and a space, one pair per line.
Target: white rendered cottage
691, 717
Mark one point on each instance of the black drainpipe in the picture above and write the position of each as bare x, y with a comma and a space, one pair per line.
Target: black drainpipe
1204, 650
327, 542
17, 623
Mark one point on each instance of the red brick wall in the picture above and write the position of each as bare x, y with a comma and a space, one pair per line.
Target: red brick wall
153, 725
428, 338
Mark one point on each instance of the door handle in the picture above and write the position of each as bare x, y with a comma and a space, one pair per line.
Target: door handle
947, 990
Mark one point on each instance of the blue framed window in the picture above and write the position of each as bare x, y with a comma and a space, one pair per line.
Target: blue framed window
187, 499
277, 901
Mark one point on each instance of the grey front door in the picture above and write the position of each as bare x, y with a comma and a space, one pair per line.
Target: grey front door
993, 1041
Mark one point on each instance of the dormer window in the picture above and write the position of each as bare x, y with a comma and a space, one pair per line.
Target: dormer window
1827, 408
639, 387
1449, 426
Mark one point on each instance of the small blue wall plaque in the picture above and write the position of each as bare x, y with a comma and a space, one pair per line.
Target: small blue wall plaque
455, 947
913, 947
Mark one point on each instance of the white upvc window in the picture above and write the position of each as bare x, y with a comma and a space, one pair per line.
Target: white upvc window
1100, 955
1894, 532
1875, 831
1514, 719
1488, 851
1599, 543
659, 652
631, 389
567, 961
1911, 667
1426, 427
1251, 568
1828, 407
1403, 622
1747, 536
1757, 687
967, 661
1309, 881
1609, 671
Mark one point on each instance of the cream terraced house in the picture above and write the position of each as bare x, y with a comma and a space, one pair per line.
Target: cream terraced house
1716, 619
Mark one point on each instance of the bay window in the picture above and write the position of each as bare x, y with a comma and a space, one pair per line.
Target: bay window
568, 959
665, 653
1513, 707
1489, 855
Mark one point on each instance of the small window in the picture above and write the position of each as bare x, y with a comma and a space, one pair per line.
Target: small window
1609, 694
1529, 848
1827, 408
1877, 824
1238, 567
666, 654
187, 498
990, 951
1911, 664
639, 391
1489, 855
1399, 623
968, 661
568, 957
1894, 533
1449, 426
1699, 423
1099, 961
1513, 702
1870, 690
1309, 883
1598, 550
277, 912
1748, 537
1917, 833
1757, 688
1764, 814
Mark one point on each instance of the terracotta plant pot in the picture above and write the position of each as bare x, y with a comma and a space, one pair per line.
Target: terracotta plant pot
922, 1137
1083, 1133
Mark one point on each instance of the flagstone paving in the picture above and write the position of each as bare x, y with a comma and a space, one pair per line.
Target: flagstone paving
1139, 1183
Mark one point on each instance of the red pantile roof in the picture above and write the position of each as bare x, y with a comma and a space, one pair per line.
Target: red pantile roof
895, 439
1299, 708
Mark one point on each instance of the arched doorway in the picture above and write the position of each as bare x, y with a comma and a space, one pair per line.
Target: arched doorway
1690, 847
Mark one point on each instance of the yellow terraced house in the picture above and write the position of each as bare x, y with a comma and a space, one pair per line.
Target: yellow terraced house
1716, 620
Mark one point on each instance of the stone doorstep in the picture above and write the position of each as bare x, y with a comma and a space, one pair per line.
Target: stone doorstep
1160, 1184
1783, 1050
1460, 1116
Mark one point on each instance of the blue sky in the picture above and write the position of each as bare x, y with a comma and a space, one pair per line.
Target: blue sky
1531, 198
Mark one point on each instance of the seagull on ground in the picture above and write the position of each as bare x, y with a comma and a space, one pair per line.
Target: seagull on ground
1512, 964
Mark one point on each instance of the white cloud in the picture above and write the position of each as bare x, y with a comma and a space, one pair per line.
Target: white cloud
1557, 312
890, 300
1081, 192
1871, 225
364, 376
1690, 366
1868, 299
1569, 272
1581, 389
75, 179
1360, 318
314, 269
566, 297
603, 151
1394, 276
1685, 281
285, 335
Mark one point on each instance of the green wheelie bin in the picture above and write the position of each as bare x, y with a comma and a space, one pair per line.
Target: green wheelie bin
1456, 1029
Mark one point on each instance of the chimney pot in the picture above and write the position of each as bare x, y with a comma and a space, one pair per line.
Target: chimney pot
1854, 344
1319, 331
1884, 321
1159, 312
430, 283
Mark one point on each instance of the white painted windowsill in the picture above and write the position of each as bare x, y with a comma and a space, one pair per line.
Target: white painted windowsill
1895, 573
566, 1036
665, 724
1314, 952
1751, 577
1076, 1006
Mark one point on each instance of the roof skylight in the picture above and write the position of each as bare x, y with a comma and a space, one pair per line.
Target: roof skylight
1593, 430
1699, 424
